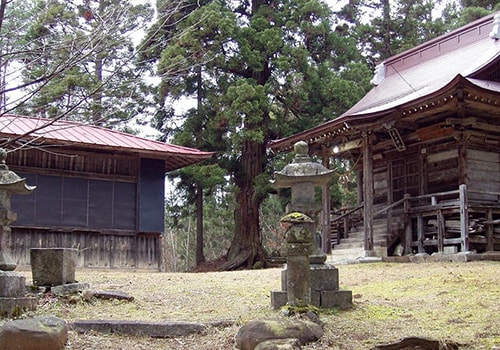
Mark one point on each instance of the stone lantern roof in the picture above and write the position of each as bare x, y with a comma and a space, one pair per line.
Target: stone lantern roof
302, 169
10, 181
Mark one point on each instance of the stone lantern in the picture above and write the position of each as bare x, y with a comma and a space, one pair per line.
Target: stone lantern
12, 285
10, 183
307, 279
302, 176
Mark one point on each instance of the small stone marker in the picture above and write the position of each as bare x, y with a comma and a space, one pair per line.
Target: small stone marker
53, 266
40, 333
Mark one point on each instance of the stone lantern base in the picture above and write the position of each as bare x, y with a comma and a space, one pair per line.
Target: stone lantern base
13, 301
325, 290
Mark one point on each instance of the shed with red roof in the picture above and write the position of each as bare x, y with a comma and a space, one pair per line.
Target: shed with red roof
98, 190
425, 143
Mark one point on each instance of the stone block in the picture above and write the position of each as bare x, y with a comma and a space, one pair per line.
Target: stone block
339, 298
323, 277
14, 307
41, 333
53, 266
450, 249
278, 299
12, 284
316, 298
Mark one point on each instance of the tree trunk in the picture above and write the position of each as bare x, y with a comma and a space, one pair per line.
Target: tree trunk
246, 247
200, 257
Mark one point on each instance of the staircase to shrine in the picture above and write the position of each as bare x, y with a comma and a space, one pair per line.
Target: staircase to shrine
351, 248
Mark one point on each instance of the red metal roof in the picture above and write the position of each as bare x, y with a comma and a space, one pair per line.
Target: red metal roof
420, 73
78, 134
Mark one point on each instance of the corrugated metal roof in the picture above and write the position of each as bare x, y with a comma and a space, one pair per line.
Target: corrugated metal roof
417, 74
73, 133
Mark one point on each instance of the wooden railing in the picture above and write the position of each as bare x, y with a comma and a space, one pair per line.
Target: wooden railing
341, 225
434, 220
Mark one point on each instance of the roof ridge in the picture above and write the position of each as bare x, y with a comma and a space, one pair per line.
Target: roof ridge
447, 42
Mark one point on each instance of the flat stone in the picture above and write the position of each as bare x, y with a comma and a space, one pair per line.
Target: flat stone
40, 333
70, 288
107, 295
139, 328
255, 332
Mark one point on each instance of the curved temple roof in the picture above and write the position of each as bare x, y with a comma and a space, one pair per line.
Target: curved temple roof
419, 74
63, 133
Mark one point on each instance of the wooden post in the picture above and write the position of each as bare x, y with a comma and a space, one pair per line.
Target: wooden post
464, 219
368, 192
408, 228
420, 228
489, 230
440, 230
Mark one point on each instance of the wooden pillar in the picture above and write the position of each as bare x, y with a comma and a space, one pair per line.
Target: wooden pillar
368, 193
421, 229
489, 230
326, 239
464, 219
407, 221
440, 230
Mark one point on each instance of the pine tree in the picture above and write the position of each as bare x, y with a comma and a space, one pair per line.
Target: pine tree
79, 61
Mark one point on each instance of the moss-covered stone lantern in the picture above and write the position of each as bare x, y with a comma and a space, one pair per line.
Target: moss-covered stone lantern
10, 183
307, 280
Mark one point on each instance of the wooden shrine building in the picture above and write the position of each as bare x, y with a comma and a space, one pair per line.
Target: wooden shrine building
425, 142
98, 190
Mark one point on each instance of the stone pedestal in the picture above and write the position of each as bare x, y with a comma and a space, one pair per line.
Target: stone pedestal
53, 266
13, 301
325, 290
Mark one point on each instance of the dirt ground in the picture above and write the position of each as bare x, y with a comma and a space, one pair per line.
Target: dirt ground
450, 302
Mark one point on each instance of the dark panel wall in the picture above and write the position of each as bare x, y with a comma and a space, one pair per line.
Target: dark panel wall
152, 195
77, 203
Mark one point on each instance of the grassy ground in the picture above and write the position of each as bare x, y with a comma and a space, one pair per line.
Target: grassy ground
457, 302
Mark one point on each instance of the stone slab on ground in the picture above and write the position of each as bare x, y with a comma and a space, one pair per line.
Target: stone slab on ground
70, 288
40, 333
107, 295
139, 328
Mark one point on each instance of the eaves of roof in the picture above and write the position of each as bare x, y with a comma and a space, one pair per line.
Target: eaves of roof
75, 134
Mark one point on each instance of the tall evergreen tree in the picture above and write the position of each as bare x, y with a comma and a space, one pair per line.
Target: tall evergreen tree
268, 69
80, 59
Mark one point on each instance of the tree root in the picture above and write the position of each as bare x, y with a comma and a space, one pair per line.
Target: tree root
240, 260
